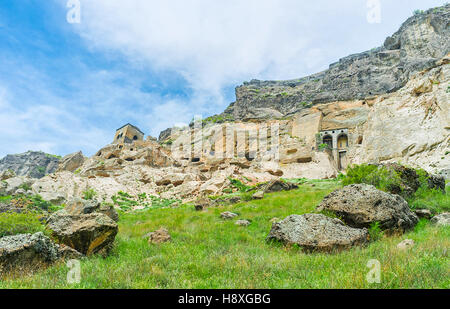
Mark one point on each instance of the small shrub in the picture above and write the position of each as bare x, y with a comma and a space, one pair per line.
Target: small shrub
19, 223
375, 231
239, 185
89, 194
323, 147
380, 177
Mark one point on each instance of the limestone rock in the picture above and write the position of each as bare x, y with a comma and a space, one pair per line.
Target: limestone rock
86, 233
315, 232
278, 186
362, 205
11, 185
228, 215
406, 244
160, 236
243, 223
423, 213
33, 164
442, 219
7, 175
26, 253
258, 195
71, 162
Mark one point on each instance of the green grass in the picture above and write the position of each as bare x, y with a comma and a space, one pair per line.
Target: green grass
20, 223
207, 252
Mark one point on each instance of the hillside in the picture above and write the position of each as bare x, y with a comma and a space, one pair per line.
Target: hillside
208, 252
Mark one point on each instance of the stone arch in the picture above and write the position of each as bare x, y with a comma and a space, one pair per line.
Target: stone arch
342, 141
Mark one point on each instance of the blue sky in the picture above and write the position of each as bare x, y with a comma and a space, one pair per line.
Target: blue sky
67, 87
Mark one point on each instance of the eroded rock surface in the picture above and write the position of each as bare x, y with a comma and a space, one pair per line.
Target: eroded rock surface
88, 234
362, 205
316, 232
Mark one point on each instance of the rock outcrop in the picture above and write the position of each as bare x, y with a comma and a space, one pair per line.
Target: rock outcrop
421, 41
442, 219
317, 233
32, 164
71, 162
362, 205
88, 234
26, 253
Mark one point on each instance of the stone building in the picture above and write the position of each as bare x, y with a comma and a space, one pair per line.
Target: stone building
128, 134
337, 141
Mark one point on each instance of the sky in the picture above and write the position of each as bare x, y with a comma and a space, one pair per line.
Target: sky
67, 86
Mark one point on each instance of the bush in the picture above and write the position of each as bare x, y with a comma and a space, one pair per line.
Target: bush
380, 177
375, 231
434, 200
89, 194
19, 223
239, 185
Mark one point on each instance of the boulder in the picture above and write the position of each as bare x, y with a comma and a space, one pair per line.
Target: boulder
317, 233
88, 234
406, 244
258, 195
436, 182
56, 198
243, 223
278, 186
11, 185
362, 205
71, 162
160, 236
228, 215
442, 219
26, 253
423, 213
82, 207
409, 179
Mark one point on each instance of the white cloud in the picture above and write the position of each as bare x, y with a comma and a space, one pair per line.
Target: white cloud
219, 43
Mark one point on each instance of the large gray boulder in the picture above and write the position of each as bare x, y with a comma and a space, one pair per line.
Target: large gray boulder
26, 253
79, 206
278, 186
361, 205
442, 219
316, 232
71, 162
88, 234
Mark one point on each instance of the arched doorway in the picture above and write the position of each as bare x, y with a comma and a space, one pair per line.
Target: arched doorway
342, 142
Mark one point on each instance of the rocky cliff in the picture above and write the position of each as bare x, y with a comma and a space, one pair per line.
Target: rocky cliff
387, 105
421, 41
34, 164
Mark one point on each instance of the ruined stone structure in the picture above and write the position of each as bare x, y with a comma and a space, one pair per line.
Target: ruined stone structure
128, 134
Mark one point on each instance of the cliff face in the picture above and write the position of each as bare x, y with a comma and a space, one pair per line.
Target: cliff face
33, 164
421, 41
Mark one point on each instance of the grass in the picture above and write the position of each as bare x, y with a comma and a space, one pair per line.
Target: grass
207, 252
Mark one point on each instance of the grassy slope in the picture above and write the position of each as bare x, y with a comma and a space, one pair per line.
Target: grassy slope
207, 252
